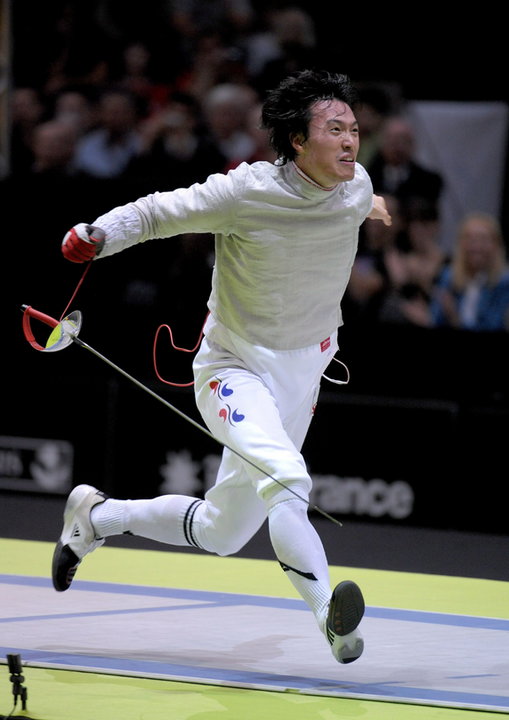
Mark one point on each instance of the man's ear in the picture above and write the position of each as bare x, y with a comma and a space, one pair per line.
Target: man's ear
297, 140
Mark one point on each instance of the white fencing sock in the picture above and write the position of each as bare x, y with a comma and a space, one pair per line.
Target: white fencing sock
300, 551
167, 519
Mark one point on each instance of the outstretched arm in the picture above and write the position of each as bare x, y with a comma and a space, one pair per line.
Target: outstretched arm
379, 210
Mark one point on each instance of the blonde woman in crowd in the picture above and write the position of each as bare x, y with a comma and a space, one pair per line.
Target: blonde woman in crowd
472, 291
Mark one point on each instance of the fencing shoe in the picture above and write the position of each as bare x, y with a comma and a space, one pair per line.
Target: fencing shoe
345, 613
78, 536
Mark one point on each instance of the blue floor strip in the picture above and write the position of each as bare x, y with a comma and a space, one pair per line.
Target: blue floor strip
193, 599
186, 673
231, 599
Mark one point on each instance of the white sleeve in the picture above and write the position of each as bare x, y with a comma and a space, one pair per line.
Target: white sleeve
202, 208
365, 188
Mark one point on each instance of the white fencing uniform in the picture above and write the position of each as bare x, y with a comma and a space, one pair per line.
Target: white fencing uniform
259, 402
284, 246
284, 251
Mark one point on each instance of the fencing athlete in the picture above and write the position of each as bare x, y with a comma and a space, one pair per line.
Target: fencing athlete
285, 239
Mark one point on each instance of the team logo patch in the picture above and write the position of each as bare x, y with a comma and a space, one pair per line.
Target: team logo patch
226, 413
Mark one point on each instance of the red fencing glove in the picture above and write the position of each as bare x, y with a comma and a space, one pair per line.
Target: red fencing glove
83, 243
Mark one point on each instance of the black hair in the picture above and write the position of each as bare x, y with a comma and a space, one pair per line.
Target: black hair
286, 110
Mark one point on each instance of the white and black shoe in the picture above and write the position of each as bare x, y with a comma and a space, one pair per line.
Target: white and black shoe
78, 536
346, 610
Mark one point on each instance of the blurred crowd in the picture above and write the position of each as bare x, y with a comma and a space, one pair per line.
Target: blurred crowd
109, 104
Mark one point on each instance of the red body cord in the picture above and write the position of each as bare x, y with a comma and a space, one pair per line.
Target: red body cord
80, 283
29, 313
175, 347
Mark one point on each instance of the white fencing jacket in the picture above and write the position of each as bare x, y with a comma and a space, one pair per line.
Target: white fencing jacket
284, 246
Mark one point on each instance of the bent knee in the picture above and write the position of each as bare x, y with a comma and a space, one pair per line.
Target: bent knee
274, 493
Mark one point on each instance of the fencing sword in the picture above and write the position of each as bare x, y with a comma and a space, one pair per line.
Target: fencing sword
65, 332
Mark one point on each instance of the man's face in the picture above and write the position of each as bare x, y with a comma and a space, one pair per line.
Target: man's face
397, 144
479, 245
328, 155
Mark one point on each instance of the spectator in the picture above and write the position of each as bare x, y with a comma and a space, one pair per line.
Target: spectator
261, 43
370, 278
54, 188
262, 149
54, 144
106, 151
209, 40
75, 106
27, 110
375, 107
214, 62
288, 45
79, 50
175, 148
472, 291
136, 75
226, 108
394, 169
413, 267
190, 18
